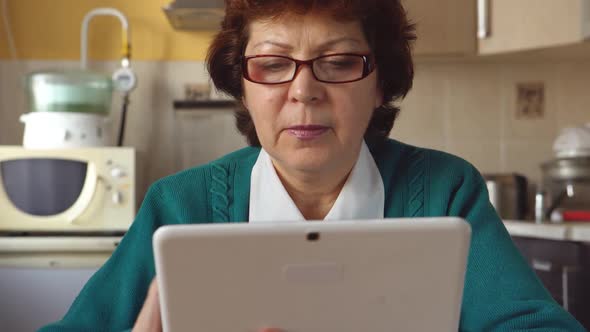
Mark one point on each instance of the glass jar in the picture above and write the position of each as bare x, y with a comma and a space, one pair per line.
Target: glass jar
69, 91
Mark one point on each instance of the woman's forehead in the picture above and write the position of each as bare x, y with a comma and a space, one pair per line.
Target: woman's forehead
305, 31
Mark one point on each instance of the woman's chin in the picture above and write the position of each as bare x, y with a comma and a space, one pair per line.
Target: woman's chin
308, 155
309, 161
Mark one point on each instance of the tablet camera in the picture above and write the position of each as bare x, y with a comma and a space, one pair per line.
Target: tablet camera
313, 236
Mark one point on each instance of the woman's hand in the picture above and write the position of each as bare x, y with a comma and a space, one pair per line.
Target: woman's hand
149, 319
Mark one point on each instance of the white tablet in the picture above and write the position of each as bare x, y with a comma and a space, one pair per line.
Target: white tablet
341, 276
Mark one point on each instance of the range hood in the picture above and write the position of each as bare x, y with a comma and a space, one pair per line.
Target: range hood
195, 14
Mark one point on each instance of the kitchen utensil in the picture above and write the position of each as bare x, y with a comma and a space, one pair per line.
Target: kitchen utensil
73, 91
508, 194
572, 215
54, 130
565, 186
573, 142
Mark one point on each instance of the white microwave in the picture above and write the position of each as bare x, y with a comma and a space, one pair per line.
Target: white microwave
66, 190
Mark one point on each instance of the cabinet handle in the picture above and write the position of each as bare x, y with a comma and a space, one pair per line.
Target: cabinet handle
542, 265
565, 289
483, 19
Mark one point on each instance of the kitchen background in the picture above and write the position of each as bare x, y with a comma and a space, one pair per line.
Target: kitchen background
499, 102
466, 107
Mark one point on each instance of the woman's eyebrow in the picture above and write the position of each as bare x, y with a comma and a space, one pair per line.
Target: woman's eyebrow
274, 43
333, 42
321, 47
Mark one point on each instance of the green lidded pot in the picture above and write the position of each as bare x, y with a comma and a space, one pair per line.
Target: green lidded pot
69, 91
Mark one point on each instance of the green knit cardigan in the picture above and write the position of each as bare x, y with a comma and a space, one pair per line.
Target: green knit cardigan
501, 292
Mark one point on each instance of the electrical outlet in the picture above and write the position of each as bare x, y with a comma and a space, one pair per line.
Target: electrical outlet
530, 103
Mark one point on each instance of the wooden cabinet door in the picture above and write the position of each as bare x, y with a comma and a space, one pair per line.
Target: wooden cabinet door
444, 27
517, 25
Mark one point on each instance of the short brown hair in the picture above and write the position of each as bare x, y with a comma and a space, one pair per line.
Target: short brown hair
386, 28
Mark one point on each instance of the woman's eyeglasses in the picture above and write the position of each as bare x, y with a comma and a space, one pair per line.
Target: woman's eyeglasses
332, 68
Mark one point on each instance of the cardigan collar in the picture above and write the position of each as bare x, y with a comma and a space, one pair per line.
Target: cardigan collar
361, 197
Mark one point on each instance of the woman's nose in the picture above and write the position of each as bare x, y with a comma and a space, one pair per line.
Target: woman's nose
305, 88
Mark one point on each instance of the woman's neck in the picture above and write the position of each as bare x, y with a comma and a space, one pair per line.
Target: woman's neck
314, 193
314, 199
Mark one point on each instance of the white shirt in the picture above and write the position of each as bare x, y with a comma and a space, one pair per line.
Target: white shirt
361, 197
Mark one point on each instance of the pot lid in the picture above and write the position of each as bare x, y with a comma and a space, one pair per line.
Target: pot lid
573, 142
75, 77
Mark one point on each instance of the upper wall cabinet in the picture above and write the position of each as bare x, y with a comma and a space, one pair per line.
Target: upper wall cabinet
518, 25
444, 27
485, 27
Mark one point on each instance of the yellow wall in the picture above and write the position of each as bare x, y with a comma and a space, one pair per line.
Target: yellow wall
50, 29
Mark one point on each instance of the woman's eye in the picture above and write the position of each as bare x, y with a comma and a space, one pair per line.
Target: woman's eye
275, 66
339, 64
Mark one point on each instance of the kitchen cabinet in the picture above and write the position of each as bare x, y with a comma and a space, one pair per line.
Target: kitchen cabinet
517, 25
40, 276
564, 269
487, 27
443, 27
204, 131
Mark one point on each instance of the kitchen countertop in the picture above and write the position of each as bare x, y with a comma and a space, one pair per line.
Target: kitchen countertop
571, 231
44, 244
44, 252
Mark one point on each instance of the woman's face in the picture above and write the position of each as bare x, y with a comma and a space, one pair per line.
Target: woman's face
306, 125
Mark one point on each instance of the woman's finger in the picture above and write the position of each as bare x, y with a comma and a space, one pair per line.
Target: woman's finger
149, 319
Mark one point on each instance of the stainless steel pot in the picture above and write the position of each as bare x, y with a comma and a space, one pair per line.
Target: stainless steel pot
565, 186
567, 169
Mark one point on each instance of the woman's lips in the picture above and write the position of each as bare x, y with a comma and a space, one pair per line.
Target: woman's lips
308, 132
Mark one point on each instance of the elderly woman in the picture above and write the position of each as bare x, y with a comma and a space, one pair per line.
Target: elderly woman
317, 81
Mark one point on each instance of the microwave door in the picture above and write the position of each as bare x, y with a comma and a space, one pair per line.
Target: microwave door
43, 187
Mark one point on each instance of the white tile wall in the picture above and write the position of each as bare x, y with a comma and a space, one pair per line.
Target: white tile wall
478, 101
429, 115
515, 129
475, 102
573, 94
11, 100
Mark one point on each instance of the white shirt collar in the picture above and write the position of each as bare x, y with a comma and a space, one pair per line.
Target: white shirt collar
361, 197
